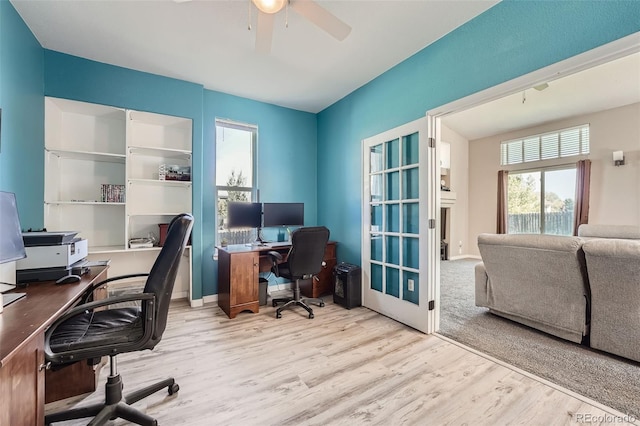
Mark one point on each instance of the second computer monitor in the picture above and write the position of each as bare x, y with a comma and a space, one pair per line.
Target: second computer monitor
282, 214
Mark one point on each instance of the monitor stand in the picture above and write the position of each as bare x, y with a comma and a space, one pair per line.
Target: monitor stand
259, 241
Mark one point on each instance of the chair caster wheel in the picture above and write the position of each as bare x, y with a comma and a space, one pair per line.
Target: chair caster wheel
310, 316
174, 388
321, 304
278, 315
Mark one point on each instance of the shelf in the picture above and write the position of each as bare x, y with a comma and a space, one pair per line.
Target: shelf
158, 119
83, 203
185, 184
88, 155
164, 213
106, 249
161, 152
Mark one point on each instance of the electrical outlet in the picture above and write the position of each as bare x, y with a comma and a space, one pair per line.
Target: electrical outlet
410, 285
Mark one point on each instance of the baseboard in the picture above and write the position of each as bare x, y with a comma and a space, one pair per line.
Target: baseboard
465, 256
213, 298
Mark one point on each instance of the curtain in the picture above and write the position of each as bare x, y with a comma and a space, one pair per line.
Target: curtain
583, 181
503, 189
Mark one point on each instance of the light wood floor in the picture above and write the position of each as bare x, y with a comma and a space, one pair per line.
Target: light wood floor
343, 367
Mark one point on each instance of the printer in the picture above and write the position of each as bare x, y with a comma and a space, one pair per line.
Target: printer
52, 255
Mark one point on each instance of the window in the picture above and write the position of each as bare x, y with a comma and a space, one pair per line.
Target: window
558, 144
541, 201
235, 175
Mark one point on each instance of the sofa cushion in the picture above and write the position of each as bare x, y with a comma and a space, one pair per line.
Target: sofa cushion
631, 232
540, 279
614, 275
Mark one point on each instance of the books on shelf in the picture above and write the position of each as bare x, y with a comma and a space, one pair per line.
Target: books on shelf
112, 193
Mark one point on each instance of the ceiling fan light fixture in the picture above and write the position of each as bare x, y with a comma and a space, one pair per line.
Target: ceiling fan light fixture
541, 87
270, 6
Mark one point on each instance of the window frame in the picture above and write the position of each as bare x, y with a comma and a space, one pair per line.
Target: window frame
253, 189
526, 142
542, 170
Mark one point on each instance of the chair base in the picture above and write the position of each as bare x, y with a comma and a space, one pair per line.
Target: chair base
296, 300
115, 405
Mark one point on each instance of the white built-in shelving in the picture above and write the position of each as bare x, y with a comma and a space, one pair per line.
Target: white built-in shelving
88, 145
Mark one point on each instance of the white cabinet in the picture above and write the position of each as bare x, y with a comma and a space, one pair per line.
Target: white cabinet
102, 179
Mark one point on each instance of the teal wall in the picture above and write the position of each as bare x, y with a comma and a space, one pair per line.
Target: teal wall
286, 161
510, 39
21, 82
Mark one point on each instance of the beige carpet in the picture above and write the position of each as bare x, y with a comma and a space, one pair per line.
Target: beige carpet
605, 378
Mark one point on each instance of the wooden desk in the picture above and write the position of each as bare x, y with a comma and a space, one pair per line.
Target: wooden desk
22, 328
238, 268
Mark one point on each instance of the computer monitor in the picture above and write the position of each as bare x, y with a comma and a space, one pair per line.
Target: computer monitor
11, 242
283, 214
244, 215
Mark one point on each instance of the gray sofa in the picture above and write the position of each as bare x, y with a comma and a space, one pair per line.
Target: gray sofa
536, 280
570, 287
614, 276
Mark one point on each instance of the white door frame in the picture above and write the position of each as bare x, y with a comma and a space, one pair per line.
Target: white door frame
615, 50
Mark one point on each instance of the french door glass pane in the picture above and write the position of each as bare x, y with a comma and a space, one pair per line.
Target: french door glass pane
410, 252
376, 187
376, 217
375, 158
559, 194
376, 277
410, 180
410, 149
393, 282
410, 296
393, 186
393, 250
410, 218
393, 218
376, 248
393, 154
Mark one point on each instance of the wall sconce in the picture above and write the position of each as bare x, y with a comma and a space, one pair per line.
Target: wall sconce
618, 158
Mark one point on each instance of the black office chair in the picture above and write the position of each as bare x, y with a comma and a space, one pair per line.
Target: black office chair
305, 260
86, 334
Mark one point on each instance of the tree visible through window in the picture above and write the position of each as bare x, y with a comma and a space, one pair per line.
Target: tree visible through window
542, 201
235, 175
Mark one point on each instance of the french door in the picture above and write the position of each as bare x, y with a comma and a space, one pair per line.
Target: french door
399, 245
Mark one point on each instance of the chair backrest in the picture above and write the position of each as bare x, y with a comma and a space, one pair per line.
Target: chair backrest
163, 273
307, 250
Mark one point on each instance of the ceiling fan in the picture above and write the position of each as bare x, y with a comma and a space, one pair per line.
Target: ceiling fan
308, 9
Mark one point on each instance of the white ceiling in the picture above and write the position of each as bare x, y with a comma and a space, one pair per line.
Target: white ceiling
207, 42
606, 86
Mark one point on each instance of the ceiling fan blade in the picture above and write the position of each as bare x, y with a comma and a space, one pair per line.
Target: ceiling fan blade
320, 16
264, 32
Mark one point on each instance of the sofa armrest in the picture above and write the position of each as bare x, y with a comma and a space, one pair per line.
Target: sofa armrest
482, 280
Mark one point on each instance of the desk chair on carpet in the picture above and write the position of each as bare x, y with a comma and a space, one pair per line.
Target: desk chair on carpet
305, 260
84, 333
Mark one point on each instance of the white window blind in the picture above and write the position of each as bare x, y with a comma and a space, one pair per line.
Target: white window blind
561, 143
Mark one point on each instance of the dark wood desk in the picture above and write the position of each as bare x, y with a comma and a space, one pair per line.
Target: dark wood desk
238, 268
22, 328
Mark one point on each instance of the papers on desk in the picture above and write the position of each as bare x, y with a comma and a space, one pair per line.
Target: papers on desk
97, 263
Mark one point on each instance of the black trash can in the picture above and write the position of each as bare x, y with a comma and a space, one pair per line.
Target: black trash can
347, 285
262, 295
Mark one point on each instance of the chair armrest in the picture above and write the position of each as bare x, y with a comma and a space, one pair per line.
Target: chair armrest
276, 258
274, 254
89, 291
148, 301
